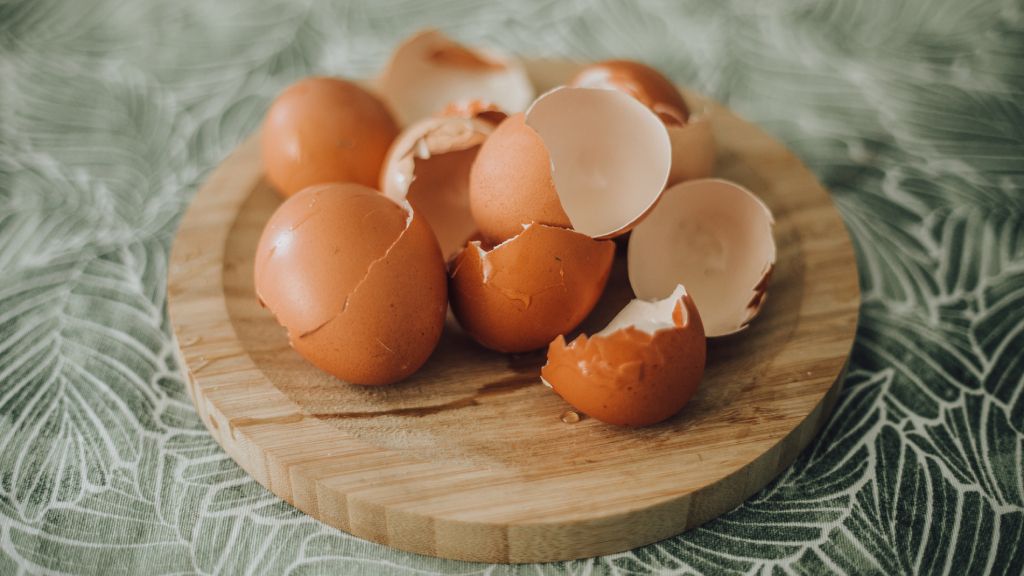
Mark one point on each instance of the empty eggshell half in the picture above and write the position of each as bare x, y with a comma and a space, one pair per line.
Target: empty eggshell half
596, 160
430, 70
641, 369
713, 236
356, 279
693, 143
428, 165
522, 293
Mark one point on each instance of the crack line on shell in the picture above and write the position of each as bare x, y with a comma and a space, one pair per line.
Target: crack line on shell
491, 278
292, 230
369, 270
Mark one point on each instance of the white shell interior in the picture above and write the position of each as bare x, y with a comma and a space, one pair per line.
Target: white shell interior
610, 156
429, 166
713, 236
648, 316
417, 83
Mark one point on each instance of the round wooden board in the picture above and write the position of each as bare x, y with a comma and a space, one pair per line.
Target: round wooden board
469, 458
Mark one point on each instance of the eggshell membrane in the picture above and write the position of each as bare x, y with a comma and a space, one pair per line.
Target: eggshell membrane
642, 369
430, 70
510, 183
428, 165
522, 293
713, 236
356, 279
323, 130
610, 156
693, 143
640, 81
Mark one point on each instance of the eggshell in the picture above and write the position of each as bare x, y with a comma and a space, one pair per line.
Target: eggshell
429, 165
522, 293
510, 183
713, 236
356, 279
592, 159
487, 111
323, 130
693, 143
643, 368
640, 81
430, 70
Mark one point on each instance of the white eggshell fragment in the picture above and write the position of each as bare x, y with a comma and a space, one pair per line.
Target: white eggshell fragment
610, 156
428, 165
649, 316
713, 236
430, 70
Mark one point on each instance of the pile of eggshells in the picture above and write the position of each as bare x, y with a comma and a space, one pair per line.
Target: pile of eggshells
446, 183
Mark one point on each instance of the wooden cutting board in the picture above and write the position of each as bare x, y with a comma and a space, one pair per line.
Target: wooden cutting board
470, 458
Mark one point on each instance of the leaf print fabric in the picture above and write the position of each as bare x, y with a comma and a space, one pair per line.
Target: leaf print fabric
911, 113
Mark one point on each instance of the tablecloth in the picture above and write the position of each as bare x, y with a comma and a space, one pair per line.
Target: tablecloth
910, 112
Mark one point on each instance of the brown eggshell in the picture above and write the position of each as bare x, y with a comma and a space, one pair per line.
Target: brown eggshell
633, 375
592, 159
522, 293
480, 109
356, 279
428, 165
429, 70
693, 144
693, 149
640, 81
511, 185
323, 130
713, 236
610, 157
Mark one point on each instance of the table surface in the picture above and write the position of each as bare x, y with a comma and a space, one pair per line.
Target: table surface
112, 113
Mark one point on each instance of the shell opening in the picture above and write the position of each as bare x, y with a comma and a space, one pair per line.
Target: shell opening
429, 166
650, 316
716, 238
429, 70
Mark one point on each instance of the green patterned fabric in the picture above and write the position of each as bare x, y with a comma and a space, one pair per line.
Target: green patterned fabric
112, 113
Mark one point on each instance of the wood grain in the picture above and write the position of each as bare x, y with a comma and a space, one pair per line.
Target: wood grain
469, 458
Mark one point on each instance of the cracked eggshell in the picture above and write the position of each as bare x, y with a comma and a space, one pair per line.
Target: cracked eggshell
693, 143
510, 183
323, 130
429, 70
713, 236
522, 293
641, 369
356, 279
428, 165
487, 111
640, 81
590, 159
